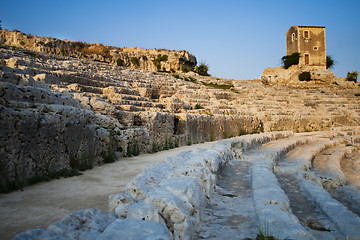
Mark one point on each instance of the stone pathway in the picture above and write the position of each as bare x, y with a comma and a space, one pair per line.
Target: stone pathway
39, 205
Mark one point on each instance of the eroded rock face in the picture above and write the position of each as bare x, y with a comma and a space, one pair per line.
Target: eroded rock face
146, 59
60, 115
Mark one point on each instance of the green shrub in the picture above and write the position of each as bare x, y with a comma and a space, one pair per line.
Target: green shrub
198, 106
290, 60
218, 86
357, 95
242, 132
185, 69
163, 58
63, 52
202, 69
155, 147
109, 155
160, 58
158, 67
176, 76
305, 76
135, 61
227, 135
133, 149
144, 57
189, 142
177, 143
190, 79
329, 62
22, 43
352, 76
81, 163
168, 143
40, 43
120, 62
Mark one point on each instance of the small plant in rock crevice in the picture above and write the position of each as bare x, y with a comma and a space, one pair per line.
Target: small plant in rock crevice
242, 132
133, 149
40, 43
155, 147
198, 106
176, 76
135, 61
218, 86
120, 62
109, 155
264, 233
168, 143
189, 142
190, 79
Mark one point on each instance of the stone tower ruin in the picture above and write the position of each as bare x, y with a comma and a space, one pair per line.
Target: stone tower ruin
309, 41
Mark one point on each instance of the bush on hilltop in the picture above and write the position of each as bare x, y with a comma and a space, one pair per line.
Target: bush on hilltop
202, 69
352, 76
290, 60
329, 62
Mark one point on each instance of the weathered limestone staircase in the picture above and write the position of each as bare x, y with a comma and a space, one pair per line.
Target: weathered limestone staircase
274, 187
238, 188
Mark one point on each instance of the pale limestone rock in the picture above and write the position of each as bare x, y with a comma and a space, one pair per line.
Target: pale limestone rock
83, 224
140, 211
39, 234
174, 212
47, 79
151, 177
118, 199
129, 229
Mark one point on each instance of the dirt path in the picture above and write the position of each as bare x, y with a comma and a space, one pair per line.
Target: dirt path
39, 205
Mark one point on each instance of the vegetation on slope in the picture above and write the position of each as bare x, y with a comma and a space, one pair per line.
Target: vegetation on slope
352, 76
290, 60
202, 69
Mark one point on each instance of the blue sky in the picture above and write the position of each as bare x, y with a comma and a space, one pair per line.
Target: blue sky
237, 39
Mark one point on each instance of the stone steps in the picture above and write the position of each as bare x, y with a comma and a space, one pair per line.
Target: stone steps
269, 199
285, 103
327, 166
272, 205
234, 189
